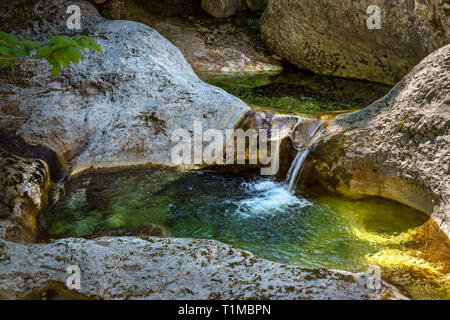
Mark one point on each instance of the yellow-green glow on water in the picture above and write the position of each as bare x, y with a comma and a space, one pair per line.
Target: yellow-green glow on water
309, 229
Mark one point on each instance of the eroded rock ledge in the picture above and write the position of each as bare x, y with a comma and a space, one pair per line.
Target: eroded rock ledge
398, 147
158, 268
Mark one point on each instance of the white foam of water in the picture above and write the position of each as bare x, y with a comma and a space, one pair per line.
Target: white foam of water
267, 197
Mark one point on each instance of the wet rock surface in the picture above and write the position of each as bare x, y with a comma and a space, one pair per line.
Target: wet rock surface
158, 268
23, 192
398, 147
332, 38
291, 132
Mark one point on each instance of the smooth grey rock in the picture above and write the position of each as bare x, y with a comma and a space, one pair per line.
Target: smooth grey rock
119, 107
331, 37
162, 268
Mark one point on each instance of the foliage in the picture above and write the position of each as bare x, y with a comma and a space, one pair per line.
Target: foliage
305, 104
232, 30
59, 51
253, 24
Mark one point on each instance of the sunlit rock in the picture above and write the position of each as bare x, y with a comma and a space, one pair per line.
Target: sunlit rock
162, 268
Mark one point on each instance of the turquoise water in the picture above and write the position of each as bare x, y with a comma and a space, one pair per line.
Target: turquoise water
258, 214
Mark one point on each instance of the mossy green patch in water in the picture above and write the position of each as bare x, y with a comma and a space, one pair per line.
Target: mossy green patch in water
104, 202
298, 91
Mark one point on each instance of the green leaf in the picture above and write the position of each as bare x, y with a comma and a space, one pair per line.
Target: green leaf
97, 47
59, 51
6, 52
18, 51
55, 64
62, 58
30, 45
72, 54
9, 38
4, 63
44, 51
86, 42
55, 70
62, 42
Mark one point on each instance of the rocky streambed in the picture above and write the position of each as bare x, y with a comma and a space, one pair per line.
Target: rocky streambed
119, 109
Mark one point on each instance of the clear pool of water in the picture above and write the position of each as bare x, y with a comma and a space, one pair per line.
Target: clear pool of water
258, 214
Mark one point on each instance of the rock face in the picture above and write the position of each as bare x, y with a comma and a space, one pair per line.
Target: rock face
332, 37
158, 268
23, 193
220, 8
48, 18
398, 147
115, 108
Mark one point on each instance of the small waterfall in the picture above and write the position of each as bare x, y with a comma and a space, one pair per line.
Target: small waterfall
295, 169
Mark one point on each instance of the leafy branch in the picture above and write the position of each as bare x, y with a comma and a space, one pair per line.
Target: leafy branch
59, 51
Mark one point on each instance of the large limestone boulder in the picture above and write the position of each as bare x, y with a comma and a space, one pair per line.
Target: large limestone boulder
398, 147
331, 37
161, 268
116, 108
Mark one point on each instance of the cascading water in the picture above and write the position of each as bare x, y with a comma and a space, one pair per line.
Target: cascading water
295, 169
